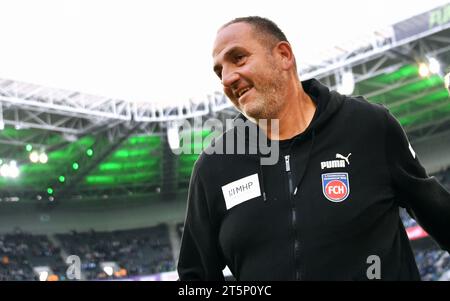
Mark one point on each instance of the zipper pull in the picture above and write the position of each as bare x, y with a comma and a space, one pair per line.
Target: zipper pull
288, 165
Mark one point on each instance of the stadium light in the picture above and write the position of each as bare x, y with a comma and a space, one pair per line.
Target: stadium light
9, 170
424, 70
4, 170
447, 81
13, 169
430, 66
34, 156
43, 158
173, 136
347, 84
434, 65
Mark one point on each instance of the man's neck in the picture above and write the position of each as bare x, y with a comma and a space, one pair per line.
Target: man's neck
295, 117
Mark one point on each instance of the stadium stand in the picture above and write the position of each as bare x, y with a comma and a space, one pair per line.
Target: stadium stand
142, 251
432, 263
136, 252
21, 252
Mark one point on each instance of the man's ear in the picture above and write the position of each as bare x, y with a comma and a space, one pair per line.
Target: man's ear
284, 51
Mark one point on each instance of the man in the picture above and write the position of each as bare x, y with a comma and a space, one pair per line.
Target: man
329, 208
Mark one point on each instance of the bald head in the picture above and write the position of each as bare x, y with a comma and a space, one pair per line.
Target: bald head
268, 33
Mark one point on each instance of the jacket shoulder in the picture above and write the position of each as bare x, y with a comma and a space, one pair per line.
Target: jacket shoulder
361, 103
360, 107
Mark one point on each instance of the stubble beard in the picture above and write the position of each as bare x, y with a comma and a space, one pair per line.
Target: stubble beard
267, 104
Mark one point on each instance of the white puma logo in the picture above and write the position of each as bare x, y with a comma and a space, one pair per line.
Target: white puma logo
339, 156
336, 163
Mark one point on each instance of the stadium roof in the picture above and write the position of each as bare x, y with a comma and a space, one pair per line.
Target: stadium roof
120, 148
160, 51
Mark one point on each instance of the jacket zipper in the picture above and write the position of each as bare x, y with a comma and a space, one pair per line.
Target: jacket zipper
294, 217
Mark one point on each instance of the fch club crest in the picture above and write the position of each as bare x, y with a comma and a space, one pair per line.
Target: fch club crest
336, 186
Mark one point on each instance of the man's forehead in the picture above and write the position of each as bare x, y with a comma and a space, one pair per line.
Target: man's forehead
230, 35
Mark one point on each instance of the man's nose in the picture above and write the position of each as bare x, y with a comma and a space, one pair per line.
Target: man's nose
229, 79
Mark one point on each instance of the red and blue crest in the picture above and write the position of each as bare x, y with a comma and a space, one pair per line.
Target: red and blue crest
336, 186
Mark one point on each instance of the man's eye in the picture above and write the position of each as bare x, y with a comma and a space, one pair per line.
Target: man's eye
239, 58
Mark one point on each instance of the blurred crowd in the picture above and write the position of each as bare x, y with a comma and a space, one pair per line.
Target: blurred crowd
135, 252
433, 264
20, 252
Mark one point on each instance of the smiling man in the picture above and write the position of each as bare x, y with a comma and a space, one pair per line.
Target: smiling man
329, 208
259, 76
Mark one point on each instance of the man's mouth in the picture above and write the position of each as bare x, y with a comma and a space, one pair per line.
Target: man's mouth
243, 92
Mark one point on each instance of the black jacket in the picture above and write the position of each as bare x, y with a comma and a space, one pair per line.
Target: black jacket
322, 219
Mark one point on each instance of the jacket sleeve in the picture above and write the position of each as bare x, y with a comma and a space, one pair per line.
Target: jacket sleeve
200, 257
423, 196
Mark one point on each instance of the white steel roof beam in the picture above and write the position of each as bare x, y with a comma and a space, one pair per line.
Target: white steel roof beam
63, 108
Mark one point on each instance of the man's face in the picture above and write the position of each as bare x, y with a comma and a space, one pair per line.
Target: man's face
250, 73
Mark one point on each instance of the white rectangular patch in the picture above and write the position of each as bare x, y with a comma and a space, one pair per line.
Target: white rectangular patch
241, 190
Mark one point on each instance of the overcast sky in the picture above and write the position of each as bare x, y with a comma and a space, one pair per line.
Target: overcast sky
160, 51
